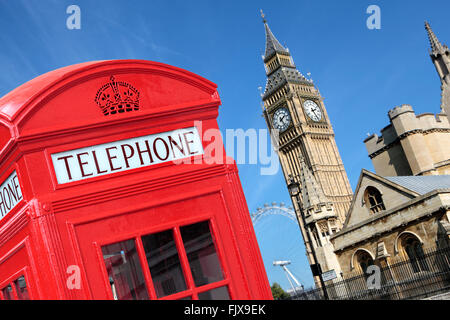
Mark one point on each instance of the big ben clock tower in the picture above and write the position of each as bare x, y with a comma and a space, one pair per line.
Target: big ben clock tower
307, 150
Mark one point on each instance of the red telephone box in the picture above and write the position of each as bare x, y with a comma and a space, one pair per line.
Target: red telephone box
106, 191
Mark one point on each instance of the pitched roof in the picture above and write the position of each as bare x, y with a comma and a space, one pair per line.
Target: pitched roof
414, 190
281, 76
272, 44
422, 184
367, 174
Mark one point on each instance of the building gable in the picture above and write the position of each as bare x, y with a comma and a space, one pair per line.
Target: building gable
391, 194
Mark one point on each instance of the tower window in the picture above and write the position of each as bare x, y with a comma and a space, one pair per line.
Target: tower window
315, 235
373, 200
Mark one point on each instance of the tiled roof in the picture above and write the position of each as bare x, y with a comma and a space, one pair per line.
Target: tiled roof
281, 76
272, 44
422, 184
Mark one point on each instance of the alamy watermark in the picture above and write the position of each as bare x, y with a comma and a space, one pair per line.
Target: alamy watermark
252, 146
73, 21
374, 277
374, 20
74, 279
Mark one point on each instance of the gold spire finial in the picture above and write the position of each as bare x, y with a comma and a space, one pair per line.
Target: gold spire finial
263, 16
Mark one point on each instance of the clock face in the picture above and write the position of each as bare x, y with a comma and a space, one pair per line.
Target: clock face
312, 110
281, 119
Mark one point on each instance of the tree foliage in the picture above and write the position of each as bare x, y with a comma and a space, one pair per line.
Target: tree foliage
278, 293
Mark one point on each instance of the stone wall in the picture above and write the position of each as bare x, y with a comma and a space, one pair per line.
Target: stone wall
410, 144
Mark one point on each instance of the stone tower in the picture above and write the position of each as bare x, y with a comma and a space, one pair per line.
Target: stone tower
416, 144
440, 56
411, 144
296, 116
320, 220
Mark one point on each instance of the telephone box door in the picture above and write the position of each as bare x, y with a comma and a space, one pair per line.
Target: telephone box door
169, 251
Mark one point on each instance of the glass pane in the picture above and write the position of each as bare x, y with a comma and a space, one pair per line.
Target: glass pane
164, 263
186, 298
220, 293
124, 271
7, 293
201, 253
21, 289
363, 267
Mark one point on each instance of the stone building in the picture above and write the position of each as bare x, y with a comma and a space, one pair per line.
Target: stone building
393, 218
416, 144
395, 213
403, 208
411, 144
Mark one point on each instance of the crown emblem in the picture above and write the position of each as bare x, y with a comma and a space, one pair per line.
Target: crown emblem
117, 97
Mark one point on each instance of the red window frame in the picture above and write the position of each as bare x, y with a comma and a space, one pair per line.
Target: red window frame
192, 291
10, 281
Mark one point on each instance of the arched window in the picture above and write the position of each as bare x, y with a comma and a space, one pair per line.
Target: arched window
315, 236
363, 260
373, 200
412, 248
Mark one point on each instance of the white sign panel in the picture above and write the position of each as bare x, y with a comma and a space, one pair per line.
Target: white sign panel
10, 194
329, 275
111, 157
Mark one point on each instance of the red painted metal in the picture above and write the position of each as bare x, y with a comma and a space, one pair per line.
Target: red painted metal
58, 225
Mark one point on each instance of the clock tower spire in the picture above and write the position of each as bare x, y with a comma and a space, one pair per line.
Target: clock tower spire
294, 107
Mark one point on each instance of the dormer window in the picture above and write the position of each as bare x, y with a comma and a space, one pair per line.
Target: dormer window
373, 200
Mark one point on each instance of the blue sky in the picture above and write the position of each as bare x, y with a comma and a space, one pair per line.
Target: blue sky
361, 73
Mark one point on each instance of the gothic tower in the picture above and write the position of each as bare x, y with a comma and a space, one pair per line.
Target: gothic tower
440, 56
297, 118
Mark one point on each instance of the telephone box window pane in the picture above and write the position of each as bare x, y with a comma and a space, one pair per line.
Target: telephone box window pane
164, 263
220, 293
124, 271
201, 253
7, 293
21, 289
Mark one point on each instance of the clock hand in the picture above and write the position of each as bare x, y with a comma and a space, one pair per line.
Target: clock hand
314, 111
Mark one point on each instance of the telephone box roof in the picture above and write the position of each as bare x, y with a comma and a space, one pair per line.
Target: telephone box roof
23, 98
